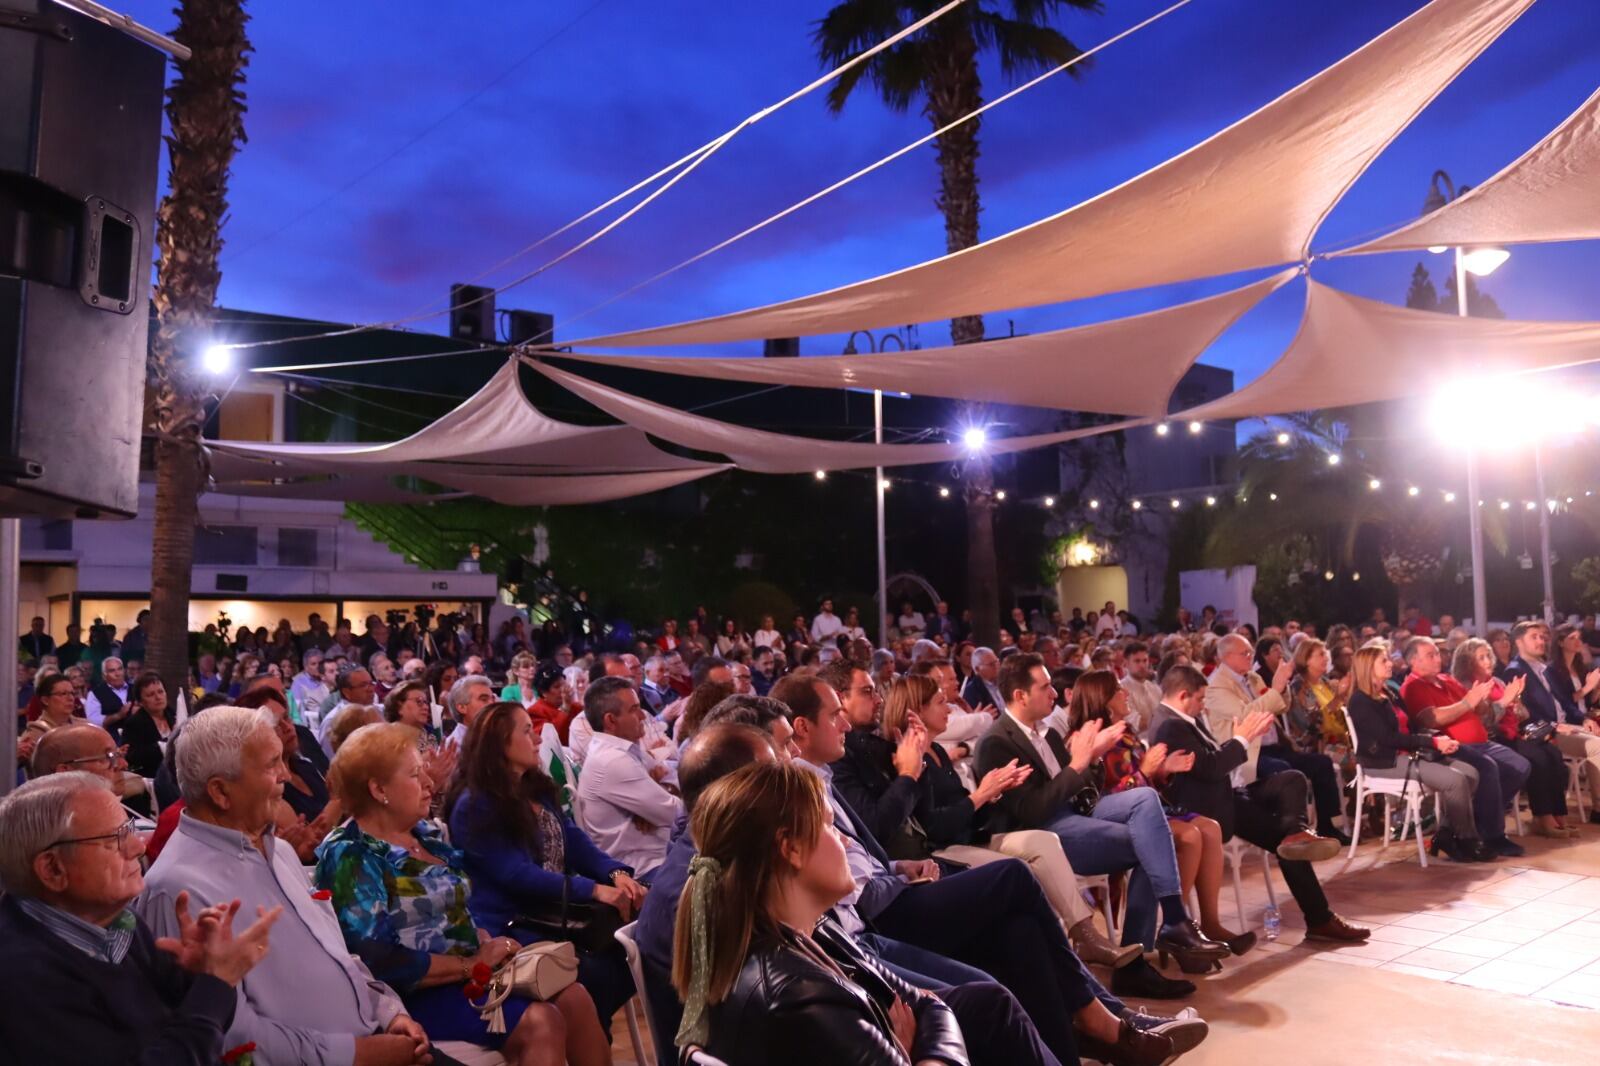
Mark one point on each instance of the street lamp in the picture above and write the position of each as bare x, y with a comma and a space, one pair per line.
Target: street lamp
1441, 190
216, 359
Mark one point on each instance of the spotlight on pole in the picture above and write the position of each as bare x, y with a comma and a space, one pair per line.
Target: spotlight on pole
884, 484
217, 359
1530, 506
975, 438
1505, 505
1481, 262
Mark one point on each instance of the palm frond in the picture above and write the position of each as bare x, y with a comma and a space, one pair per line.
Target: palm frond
1025, 48
850, 28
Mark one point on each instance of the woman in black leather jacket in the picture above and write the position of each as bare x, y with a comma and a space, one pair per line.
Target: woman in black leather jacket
1386, 749
764, 976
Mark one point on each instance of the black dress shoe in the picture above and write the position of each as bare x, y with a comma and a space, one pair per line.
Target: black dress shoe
1134, 1047
1594, 817
1333, 834
1140, 980
1507, 847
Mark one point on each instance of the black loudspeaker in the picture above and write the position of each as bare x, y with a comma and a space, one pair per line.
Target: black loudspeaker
233, 583
80, 143
472, 313
530, 327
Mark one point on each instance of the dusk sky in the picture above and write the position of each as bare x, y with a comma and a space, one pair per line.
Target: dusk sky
325, 224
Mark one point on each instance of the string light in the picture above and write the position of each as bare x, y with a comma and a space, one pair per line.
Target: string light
1374, 484
1162, 429
1174, 503
1138, 505
1094, 505
1273, 496
821, 475
1413, 491
1449, 497
1049, 501
884, 484
1327, 575
1211, 501
1000, 495
944, 493
1333, 458
1505, 505
1531, 506
1194, 427
1355, 575
1283, 438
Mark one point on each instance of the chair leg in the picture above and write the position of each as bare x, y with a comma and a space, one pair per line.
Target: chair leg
1414, 803
1110, 913
632, 1018
1234, 859
1388, 816
1355, 830
1266, 875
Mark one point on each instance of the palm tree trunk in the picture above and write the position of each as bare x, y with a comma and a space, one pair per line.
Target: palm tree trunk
205, 108
954, 89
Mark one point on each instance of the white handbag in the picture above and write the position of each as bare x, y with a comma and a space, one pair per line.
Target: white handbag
539, 971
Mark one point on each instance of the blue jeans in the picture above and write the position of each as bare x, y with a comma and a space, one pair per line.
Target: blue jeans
1501, 775
1128, 830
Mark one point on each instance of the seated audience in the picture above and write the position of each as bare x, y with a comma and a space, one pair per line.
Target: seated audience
148, 727
402, 899
1577, 735
519, 679
994, 917
1503, 714
466, 700
1314, 721
1133, 764
1144, 695
309, 1001
705, 696
1269, 811
522, 853
1100, 834
1385, 747
1435, 700
409, 704
1236, 690
85, 980
629, 814
353, 687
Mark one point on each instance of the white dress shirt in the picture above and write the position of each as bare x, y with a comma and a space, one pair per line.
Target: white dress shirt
579, 734
1041, 743
91, 705
616, 789
863, 867
825, 625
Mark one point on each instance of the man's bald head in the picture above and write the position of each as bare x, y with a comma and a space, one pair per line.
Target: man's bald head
717, 751
59, 750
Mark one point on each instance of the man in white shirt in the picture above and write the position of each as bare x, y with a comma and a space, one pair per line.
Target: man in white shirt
910, 623
1144, 695
826, 624
629, 814
110, 695
307, 688
1108, 623
467, 699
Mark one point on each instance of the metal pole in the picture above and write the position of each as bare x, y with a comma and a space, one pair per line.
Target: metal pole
1544, 537
10, 559
1480, 591
883, 550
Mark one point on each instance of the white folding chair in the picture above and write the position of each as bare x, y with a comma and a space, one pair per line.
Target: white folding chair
1103, 883
1235, 851
630, 948
1577, 775
1408, 792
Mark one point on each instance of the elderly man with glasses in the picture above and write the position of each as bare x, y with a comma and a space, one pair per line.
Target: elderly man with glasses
96, 985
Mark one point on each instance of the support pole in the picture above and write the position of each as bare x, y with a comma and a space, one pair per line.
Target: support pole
1544, 537
883, 550
1480, 591
10, 559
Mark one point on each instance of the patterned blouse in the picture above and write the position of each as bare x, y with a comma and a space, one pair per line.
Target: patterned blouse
1314, 719
395, 909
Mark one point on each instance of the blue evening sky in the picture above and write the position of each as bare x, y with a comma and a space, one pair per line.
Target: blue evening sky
325, 224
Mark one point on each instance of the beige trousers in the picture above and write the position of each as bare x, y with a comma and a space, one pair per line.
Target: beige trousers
1585, 746
1041, 850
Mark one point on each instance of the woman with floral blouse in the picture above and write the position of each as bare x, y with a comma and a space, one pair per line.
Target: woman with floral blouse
402, 900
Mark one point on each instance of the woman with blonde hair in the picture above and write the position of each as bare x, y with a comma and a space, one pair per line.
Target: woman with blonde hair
519, 682
764, 971
1131, 764
401, 896
1386, 748
950, 823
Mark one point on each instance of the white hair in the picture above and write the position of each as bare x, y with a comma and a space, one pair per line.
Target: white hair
925, 649
211, 745
575, 674
1235, 639
985, 654
35, 816
458, 692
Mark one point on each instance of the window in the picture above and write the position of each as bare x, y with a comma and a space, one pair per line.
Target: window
297, 547
225, 546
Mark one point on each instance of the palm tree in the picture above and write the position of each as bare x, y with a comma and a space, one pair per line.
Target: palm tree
205, 109
939, 68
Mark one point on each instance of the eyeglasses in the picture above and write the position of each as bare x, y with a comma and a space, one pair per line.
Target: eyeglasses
124, 833
109, 759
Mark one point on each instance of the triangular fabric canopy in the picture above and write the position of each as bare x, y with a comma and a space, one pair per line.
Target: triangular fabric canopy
519, 491
495, 429
1065, 368
1351, 350
1552, 193
1251, 196
779, 453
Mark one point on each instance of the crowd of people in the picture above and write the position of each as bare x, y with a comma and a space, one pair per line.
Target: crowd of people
323, 847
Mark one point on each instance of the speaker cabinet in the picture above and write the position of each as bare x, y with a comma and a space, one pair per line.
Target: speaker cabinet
80, 142
472, 313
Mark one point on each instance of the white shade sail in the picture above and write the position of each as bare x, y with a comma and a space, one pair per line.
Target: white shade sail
1251, 196
779, 453
495, 428
1552, 193
1065, 368
535, 491
1351, 350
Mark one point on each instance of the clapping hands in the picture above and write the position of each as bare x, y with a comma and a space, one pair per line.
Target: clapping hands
205, 944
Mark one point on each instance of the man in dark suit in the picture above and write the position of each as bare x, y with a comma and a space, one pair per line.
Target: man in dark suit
36, 643
1577, 737
1100, 834
1271, 814
982, 688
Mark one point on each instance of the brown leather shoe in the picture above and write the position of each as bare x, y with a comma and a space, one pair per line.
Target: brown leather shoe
1134, 1047
1306, 846
1338, 930
1093, 947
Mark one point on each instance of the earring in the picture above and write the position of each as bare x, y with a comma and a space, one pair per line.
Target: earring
385, 800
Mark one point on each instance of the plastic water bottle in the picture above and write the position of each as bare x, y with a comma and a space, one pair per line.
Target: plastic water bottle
1272, 922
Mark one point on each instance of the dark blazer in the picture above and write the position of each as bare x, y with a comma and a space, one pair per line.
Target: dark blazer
977, 694
787, 1009
1566, 692
1038, 801
144, 743
1378, 735
883, 799
63, 1006
1206, 788
1541, 704
884, 887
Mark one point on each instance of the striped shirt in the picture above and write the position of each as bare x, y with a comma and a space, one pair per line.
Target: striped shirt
110, 944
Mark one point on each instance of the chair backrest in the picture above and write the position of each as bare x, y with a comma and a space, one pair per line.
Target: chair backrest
630, 948
1350, 725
